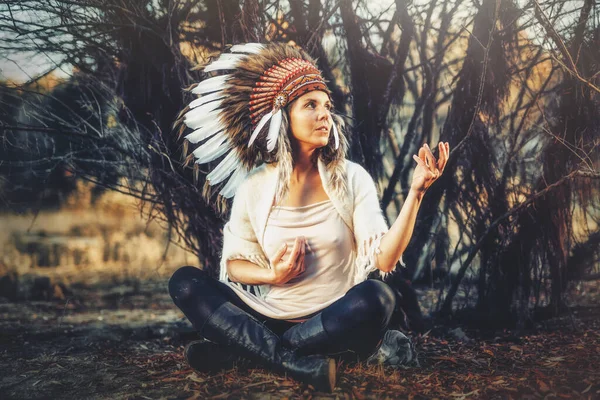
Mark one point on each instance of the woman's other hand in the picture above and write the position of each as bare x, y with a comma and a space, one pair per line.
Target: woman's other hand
428, 169
286, 269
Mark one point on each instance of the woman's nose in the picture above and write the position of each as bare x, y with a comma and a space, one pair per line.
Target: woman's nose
323, 113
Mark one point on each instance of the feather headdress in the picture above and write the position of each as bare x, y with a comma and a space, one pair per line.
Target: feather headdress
238, 113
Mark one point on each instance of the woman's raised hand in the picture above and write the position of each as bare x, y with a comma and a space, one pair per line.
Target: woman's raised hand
428, 169
285, 270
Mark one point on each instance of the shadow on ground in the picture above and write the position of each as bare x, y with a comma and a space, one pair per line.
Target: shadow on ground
126, 342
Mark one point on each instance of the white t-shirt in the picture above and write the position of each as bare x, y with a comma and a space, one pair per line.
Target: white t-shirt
329, 261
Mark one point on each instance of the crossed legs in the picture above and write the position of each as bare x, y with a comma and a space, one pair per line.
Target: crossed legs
355, 322
221, 318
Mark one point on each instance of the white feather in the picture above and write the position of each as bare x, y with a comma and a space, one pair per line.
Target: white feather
229, 56
253, 48
196, 118
274, 128
211, 84
224, 169
234, 182
226, 61
259, 127
212, 149
206, 99
336, 136
203, 109
206, 131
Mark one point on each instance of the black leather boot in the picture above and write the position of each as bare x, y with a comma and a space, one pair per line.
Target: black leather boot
230, 326
308, 337
206, 356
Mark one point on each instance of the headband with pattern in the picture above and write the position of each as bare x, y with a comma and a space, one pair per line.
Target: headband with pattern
233, 109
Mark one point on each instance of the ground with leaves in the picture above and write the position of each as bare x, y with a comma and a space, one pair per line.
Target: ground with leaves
127, 343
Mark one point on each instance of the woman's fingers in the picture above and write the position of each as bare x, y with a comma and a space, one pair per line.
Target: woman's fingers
296, 256
422, 161
302, 266
294, 265
301, 256
419, 161
423, 156
430, 158
447, 147
428, 168
444, 155
429, 161
295, 252
280, 253
298, 265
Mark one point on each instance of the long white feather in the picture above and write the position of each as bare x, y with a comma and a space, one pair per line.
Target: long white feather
259, 127
220, 65
253, 48
336, 136
229, 56
224, 169
196, 119
212, 149
206, 131
226, 61
207, 99
211, 84
274, 128
203, 109
234, 182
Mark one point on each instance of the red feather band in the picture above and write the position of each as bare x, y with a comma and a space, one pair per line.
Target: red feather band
283, 83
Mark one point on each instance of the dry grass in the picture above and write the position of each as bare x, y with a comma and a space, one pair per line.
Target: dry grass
89, 241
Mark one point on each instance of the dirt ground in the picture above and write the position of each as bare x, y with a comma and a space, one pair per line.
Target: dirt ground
112, 332
126, 342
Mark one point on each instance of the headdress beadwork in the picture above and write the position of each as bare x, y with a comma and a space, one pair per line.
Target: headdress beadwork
233, 109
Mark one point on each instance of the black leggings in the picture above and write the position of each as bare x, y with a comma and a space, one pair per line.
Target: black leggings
355, 322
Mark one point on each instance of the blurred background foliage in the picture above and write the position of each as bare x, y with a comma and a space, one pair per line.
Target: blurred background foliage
513, 86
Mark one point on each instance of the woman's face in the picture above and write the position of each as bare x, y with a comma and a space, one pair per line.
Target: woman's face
310, 119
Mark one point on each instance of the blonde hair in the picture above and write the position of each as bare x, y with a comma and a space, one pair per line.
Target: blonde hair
332, 158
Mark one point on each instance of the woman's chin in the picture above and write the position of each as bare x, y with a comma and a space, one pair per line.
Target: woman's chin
317, 143
322, 141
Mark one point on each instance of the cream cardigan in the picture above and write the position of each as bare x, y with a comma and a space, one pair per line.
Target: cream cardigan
359, 208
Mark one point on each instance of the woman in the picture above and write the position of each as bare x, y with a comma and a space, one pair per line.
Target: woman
305, 228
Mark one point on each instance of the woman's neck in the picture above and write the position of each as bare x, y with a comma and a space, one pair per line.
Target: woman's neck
305, 165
